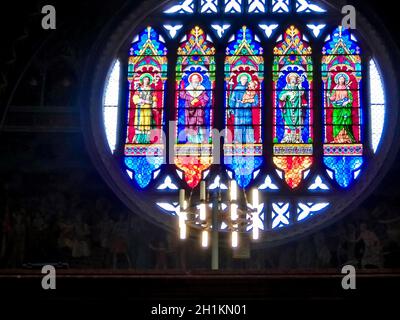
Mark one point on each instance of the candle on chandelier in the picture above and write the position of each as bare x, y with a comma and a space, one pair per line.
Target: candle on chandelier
182, 215
203, 208
204, 239
256, 218
234, 213
233, 190
202, 191
234, 206
235, 239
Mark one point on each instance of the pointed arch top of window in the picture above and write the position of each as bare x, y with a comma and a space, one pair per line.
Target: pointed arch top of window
148, 43
244, 43
293, 44
196, 42
341, 42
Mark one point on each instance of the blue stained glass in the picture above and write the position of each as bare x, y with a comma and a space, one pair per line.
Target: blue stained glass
342, 42
244, 68
183, 7
209, 6
257, 6
244, 36
308, 210
243, 167
316, 29
233, 6
308, 6
344, 168
146, 37
280, 215
143, 167
280, 6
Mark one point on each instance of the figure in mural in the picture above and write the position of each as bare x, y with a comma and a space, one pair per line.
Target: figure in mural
372, 251
146, 102
341, 99
195, 101
293, 101
242, 100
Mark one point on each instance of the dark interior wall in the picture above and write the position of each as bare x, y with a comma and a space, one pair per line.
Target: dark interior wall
54, 206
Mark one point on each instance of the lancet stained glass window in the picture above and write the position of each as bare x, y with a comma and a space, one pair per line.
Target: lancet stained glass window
195, 83
244, 79
293, 106
147, 75
341, 74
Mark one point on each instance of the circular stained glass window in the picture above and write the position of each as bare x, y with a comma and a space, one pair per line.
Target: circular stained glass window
277, 95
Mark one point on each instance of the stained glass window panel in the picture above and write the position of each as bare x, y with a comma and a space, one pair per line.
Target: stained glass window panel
173, 29
308, 6
233, 6
280, 215
316, 29
111, 102
209, 6
183, 7
378, 107
195, 83
147, 75
268, 29
257, 6
220, 29
293, 106
307, 210
244, 67
342, 78
281, 6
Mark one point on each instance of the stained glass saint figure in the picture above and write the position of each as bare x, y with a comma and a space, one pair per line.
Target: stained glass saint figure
195, 101
293, 101
243, 99
341, 99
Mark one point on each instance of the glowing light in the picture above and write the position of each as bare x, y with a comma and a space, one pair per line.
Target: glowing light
378, 108
110, 108
256, 217
235, 239
204, 239
268, 29
182, 215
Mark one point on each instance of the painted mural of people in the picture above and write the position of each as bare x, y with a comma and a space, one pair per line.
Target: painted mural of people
372, 253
